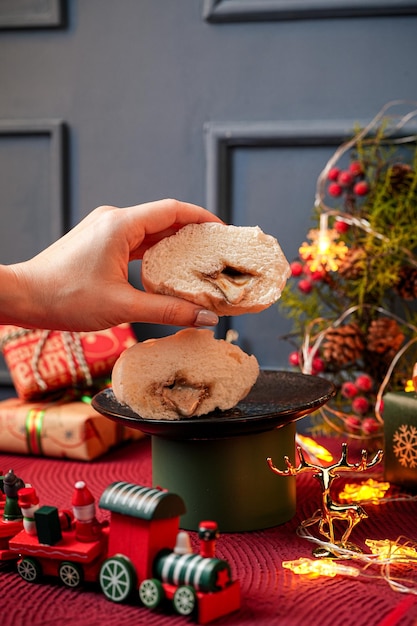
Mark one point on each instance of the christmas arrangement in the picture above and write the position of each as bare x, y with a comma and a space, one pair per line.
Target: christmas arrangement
353, 289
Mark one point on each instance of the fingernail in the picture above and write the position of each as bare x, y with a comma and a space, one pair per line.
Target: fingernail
206, 318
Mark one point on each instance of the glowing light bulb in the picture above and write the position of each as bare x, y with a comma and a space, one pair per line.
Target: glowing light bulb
322, 567
325, 252
386, 549
323, 237
314, 449
367, 491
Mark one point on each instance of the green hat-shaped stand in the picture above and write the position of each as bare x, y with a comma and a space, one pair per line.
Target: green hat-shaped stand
217, 462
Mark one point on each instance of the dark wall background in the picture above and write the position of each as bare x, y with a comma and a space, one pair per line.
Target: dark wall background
220, 103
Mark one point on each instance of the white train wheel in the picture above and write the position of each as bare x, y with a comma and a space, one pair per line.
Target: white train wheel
30, 570
184, 600
151, 592
71, 574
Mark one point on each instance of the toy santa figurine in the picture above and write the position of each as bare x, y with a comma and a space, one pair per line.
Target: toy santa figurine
29, 503
87, 527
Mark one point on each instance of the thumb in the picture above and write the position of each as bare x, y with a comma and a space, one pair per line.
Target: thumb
158, 309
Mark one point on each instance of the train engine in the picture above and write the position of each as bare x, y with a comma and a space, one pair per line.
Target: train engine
159, 561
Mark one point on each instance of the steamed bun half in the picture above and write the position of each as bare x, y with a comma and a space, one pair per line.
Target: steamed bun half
228, 269
187, 374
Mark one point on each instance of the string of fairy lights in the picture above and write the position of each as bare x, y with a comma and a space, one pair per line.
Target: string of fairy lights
389, 560
392, 561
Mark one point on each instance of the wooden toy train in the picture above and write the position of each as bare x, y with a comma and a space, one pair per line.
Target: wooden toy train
140, 549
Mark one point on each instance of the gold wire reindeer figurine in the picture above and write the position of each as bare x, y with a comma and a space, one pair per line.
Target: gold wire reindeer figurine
331, 511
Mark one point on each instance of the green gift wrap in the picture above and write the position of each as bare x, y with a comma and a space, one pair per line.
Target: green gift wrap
400, 433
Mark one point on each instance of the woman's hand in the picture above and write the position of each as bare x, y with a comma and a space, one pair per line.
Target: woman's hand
80, 282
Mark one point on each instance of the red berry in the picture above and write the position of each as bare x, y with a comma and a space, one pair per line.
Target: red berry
370, 426
360, 405
318, 365
341, 227
364, 382
305, 285
345, 178
335, 190
355, 168
296, 268
333, 173
353, 423
349, 390
318, 275
361, 188
294, 358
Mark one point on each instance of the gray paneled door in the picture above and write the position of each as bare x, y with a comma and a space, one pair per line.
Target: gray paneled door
232, 104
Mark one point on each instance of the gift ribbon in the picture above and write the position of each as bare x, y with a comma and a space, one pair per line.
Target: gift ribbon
34, 422
73, 350
33, 426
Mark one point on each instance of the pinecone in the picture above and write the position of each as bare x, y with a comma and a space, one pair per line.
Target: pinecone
343, 345
406, 286
384, 337
400, 177
351, 267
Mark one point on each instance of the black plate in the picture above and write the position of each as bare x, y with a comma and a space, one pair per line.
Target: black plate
276, 399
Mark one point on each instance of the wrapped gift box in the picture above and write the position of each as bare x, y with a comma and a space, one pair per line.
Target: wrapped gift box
400, 434
62, 429
43, 361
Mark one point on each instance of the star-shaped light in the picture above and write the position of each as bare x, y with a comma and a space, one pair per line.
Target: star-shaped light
314, 449
324, 252
387, 549
322, 567
367, 491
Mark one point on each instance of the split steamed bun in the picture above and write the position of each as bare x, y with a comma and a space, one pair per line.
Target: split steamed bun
187, 374
230, 270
